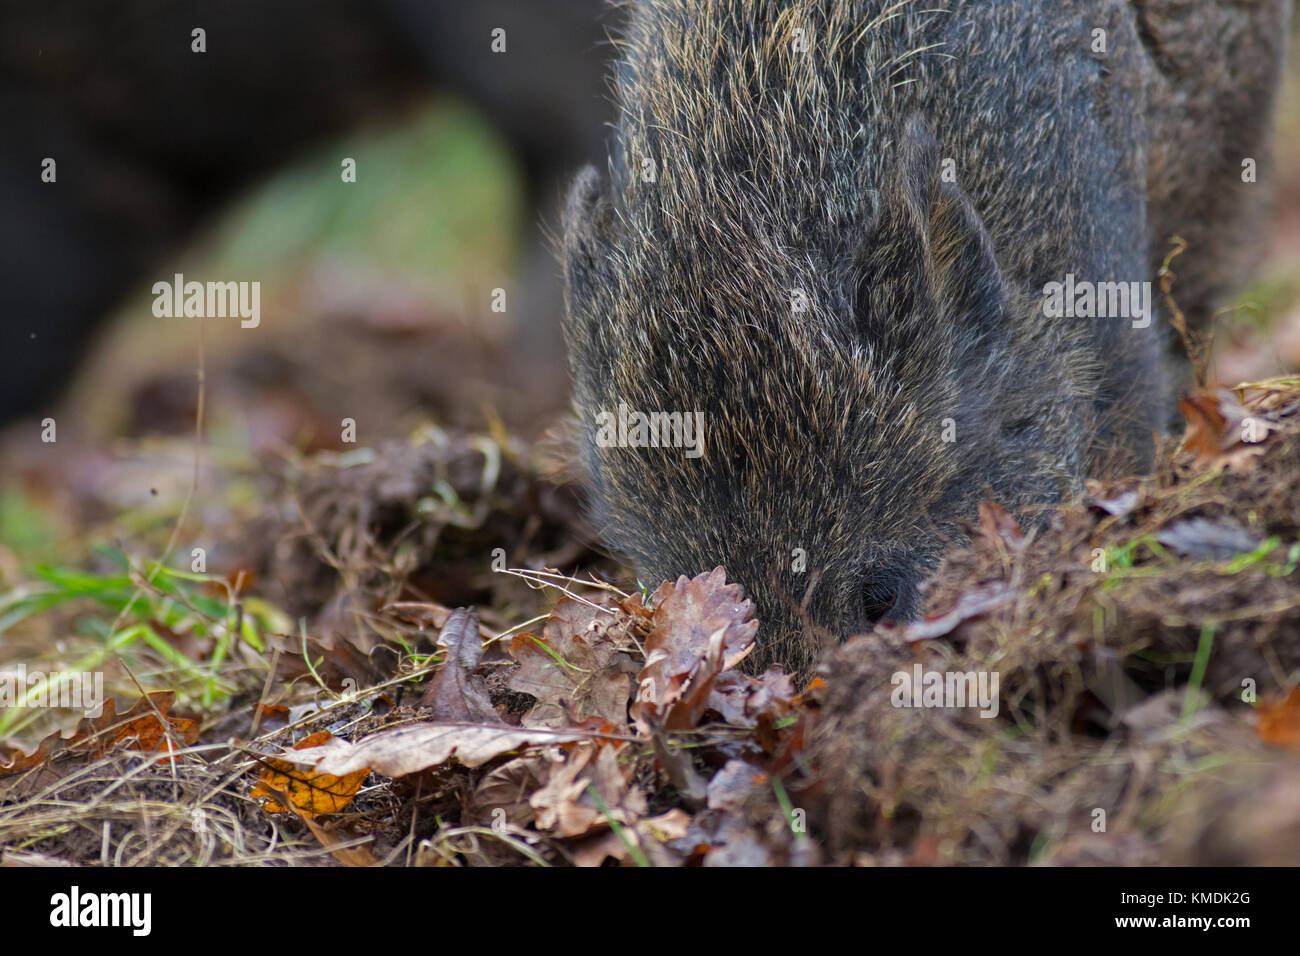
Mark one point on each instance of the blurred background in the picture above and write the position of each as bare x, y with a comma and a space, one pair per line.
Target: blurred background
425, 290
208, 139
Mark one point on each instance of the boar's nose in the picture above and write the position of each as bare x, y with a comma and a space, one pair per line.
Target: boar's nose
887, 595
879, 598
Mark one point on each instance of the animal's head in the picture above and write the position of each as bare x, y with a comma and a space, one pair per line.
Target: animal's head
851, 370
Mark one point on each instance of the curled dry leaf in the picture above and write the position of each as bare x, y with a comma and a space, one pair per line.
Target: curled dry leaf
580, 667
970, 605
505, 791
147, 726
732, 785
587, 788
337, 845
678, 763
1116, 502
701, 626
651, 836
410, 748
1220, 430
457, 691
742, 700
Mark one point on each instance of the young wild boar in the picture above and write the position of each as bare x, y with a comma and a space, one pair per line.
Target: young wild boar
892, 256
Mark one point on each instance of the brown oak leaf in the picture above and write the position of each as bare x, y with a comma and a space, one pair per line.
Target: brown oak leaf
701, 627
580, 667
586, 789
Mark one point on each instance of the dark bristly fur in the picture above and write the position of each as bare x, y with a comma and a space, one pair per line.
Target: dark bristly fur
819, 170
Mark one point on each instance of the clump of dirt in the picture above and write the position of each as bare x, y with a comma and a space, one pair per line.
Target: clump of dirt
1130, 641
346, 540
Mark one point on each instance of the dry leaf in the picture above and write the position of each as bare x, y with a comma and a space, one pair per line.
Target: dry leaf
147, 725
1279, 723
1217, 429
410, 748
701, 627
580, 667
506, 788
310, 793
742, 700
347, 855
731, 786
138, 729
456, 691
970, 605
1115, 502
1208, 539
1206, 425
650, 835
586, 789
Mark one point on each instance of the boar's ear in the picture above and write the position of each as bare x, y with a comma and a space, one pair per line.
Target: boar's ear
915, 177
894, 295
971, 289
584, 247
929, 253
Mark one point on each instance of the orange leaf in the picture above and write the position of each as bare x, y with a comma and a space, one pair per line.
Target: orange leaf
1217, 432
142, 728
1279, 723
1206, 424
310, 794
